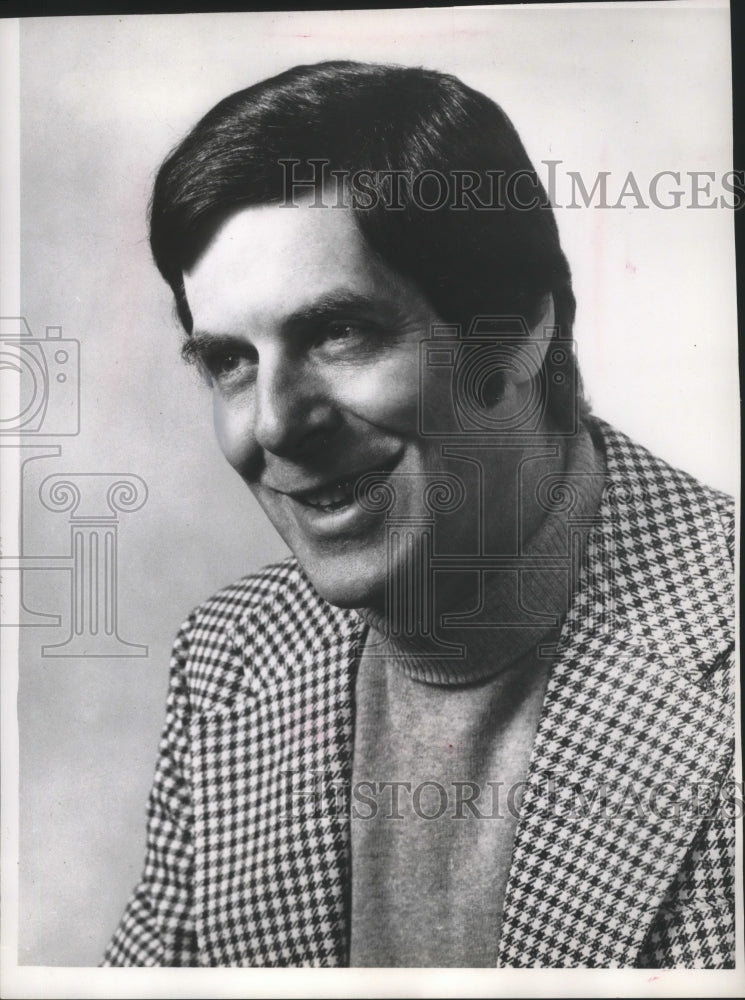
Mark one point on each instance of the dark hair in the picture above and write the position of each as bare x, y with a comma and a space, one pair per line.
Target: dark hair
470, 261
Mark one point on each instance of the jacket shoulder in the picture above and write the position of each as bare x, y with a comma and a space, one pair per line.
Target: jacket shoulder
670, 544
232, 603
660, 499
208, 661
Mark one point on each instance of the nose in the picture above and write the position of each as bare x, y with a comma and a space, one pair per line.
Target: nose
294, 413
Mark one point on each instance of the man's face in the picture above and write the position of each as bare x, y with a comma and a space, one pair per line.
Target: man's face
312, 347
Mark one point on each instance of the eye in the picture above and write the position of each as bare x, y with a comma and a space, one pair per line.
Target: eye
342, 333
339, 331
222, 363
228, 366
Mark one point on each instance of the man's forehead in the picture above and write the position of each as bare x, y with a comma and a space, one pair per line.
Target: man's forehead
282, 231
273, 263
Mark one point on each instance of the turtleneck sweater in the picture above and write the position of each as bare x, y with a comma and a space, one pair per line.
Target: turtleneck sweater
442, 747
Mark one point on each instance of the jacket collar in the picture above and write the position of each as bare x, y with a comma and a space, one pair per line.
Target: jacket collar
633, 722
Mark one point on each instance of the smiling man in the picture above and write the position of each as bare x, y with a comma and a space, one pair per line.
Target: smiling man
469, 722
312, 346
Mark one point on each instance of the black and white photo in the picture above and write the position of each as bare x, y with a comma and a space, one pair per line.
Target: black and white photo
386, 360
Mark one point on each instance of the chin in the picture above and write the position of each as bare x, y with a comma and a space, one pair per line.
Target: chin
346, 586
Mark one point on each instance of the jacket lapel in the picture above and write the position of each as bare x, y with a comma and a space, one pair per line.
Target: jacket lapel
633, 725
268, 774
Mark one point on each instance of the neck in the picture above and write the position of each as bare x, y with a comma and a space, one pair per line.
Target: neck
454, 622
458, 625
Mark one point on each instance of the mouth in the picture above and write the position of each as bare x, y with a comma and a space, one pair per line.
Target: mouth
336, 496
329, 499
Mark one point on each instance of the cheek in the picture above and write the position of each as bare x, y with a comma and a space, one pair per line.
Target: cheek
385, 395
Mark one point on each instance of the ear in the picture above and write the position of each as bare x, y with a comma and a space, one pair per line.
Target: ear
529, 357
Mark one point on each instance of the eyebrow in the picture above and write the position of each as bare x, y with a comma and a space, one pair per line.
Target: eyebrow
334, 304
199, 344
330, 305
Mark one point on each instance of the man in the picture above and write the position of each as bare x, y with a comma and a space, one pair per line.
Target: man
482, 718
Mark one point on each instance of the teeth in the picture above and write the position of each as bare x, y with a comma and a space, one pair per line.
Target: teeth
330, 499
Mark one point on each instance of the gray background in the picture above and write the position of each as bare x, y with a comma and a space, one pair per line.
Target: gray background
102, 101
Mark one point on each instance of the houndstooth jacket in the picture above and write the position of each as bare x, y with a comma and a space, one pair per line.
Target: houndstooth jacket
640, 699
